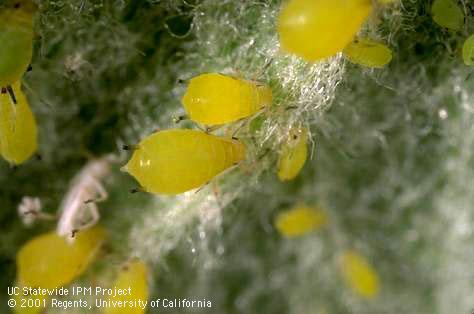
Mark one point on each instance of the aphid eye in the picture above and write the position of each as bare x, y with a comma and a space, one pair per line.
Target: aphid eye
17, 5
295, 137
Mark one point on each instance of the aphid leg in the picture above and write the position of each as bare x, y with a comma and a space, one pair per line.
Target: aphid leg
12, 94
265, 67
201, 188
95, 216
242, 122
213, 128
129, 147
216, 192
101, 192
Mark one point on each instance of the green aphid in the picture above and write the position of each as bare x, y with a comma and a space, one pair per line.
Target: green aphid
16, 40
448, 14
468, 51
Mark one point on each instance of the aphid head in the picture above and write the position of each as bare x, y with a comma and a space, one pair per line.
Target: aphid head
26, 6
99, 168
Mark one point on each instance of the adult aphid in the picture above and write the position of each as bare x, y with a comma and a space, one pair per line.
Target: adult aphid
78, 209
368, 53
18, 130
293, 154
175, 161
317, 29
213, 98
16, 38
50, 261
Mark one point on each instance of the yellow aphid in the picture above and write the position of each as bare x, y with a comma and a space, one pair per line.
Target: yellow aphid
468, 51
50, 261
317, 29
175, 161
368, 53
16, 39
18, 131
29, 304
360, 276
217, 99
293, 155
300, 220
447, 13
133, 276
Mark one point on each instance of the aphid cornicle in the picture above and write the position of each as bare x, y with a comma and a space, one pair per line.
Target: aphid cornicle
368, 53
175, 161
293, 155
468, 51
448, 14
359, 275
214, 98
50, 261
18, 130
133, 276
317, 29
16, 39
300, 220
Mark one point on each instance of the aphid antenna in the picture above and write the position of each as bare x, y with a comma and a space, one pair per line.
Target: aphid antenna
264, 69
35, 94
242, 122
267, 150
468, 77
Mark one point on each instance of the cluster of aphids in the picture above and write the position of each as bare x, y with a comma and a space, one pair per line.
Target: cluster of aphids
178, 160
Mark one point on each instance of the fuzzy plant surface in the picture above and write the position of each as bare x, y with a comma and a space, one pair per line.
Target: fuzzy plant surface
391, 156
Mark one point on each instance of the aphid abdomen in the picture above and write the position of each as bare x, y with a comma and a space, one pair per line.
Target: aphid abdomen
368, 53
134, 277
317, 29
468, 51
18, 130
50, 261
16, 38
214, 99
176, 161
359, 274
293, 155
